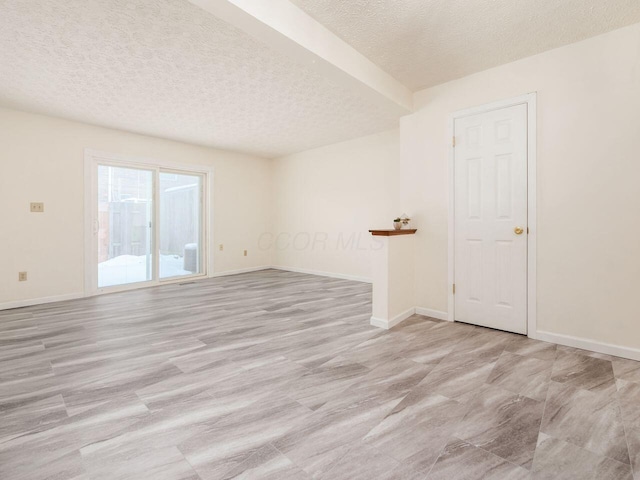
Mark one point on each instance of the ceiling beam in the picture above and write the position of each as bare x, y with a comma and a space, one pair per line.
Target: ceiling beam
285, 28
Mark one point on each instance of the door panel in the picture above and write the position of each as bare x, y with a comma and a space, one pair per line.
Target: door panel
474, 188
490, 174
125, 210
180, 224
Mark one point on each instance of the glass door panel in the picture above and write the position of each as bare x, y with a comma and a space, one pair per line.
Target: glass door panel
125, 214
180, 223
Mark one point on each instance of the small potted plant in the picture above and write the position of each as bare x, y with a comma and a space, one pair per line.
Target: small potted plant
397, 223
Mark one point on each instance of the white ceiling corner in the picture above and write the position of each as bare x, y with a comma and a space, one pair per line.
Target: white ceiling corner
292, 32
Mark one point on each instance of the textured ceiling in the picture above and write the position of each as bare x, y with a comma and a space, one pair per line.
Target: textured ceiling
426, 42
167, 68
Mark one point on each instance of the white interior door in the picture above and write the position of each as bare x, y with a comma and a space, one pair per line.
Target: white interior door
490, 259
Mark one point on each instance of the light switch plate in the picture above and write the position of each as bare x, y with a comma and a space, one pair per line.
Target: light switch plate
37, 207
22, 276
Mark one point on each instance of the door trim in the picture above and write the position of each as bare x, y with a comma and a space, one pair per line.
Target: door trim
528, 99
92, 158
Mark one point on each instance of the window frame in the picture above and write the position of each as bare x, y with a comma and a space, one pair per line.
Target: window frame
94, 158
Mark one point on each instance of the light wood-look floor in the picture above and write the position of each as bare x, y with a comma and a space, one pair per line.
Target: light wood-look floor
277, 375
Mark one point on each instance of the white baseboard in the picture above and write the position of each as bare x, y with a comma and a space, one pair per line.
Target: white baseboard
387, 324
560, 339
379, 322
74, 296
240, 270
586, 344
39, 301
323, 274
427, 312
567, 340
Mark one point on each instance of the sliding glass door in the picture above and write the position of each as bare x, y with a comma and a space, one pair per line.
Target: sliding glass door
147, 225
125, 236
180, 224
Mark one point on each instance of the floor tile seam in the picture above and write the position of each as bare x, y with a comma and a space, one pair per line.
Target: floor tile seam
467, 411
531, 357
273, 445
589, 392
628, 381
334, 463
442, 450
373, 337
435, 365
11, 399
499, 456
147, 407
542, 417
471, 353
582, 447
189, 463
373, 427
626, 435
401, 461
420, 364
296, 402
391, 455
97, 442
345, 389
518, 393
464, 337
7, 440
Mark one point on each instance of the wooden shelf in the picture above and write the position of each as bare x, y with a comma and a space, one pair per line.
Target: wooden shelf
393, 232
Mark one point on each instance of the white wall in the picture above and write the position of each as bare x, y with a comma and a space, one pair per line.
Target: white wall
43, 160
326, 200
588, 182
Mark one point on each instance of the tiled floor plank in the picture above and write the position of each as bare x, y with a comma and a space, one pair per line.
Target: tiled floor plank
278, 375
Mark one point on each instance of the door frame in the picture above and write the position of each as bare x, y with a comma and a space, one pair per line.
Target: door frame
528, 99
94, 157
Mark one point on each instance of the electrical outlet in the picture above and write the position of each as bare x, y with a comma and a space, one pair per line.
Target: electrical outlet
37, 207
221, 247
245, 253
22, 276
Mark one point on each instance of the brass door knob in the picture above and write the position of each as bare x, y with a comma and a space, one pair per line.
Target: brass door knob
518, 230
